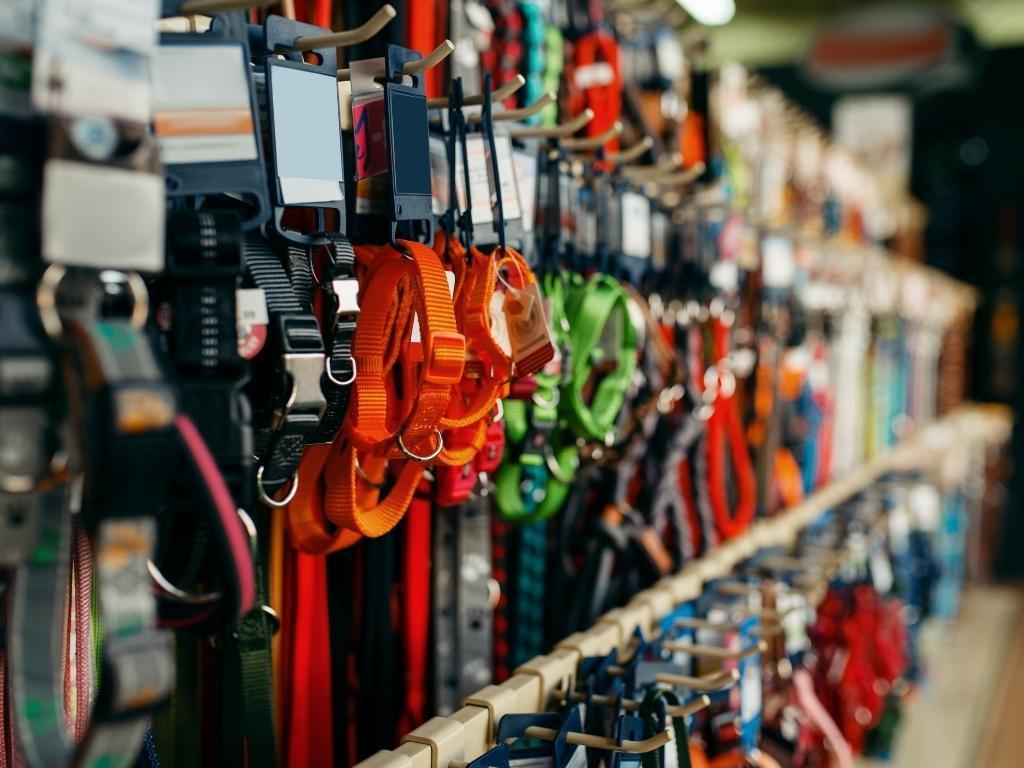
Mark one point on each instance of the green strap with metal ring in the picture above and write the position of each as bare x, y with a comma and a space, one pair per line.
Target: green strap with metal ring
596, 309
534, 484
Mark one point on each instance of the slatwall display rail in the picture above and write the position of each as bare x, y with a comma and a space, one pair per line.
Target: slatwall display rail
448, 742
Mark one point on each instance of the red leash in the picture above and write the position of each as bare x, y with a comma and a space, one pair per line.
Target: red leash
597, 72
725, 427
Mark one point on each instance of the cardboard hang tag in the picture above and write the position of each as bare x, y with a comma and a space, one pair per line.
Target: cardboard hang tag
529, 332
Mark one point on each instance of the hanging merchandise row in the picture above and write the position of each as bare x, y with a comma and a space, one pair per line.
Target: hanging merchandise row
331, 395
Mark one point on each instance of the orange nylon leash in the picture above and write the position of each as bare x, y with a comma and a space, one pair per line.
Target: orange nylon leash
389, 420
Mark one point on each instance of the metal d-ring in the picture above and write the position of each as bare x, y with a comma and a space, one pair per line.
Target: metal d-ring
46, 300
366, 478
171, 592
499, 410
265, 498
250, 528
549, 405
553, 466
433, 455
330, 372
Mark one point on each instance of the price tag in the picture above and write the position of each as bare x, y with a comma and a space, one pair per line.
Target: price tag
439, 182
252, 320
659, 239
636, 225
529, 332
594, 75
479, 179
778, 262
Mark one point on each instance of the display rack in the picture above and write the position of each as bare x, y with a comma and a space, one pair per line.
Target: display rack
448, 742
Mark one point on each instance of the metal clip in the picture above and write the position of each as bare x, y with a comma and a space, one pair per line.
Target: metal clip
305, 369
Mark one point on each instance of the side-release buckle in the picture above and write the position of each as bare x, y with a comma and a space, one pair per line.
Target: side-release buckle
444, 357
346, 296
304, 370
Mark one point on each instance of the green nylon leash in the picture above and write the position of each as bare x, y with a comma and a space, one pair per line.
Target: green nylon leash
598, 315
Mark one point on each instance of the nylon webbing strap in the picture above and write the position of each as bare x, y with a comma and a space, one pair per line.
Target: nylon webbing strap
655, 719
444, 567
204, 261
36, 632
529, 573
290, 415
341, 313
247, 717
591, 308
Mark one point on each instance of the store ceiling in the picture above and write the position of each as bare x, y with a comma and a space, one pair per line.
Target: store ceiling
775, 32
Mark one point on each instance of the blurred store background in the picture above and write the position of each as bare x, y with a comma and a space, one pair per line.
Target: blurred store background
928, 96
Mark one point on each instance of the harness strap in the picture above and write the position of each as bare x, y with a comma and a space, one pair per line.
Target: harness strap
308, 527
591, 309
397, 288
291, 415
248, 731
488, 365
416, 611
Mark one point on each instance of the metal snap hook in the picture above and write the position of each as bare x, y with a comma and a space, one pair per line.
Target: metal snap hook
436, 452
265, 498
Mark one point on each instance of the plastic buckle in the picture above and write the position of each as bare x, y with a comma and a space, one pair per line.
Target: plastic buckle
488, 459
346, 296
441, 368
454, 484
